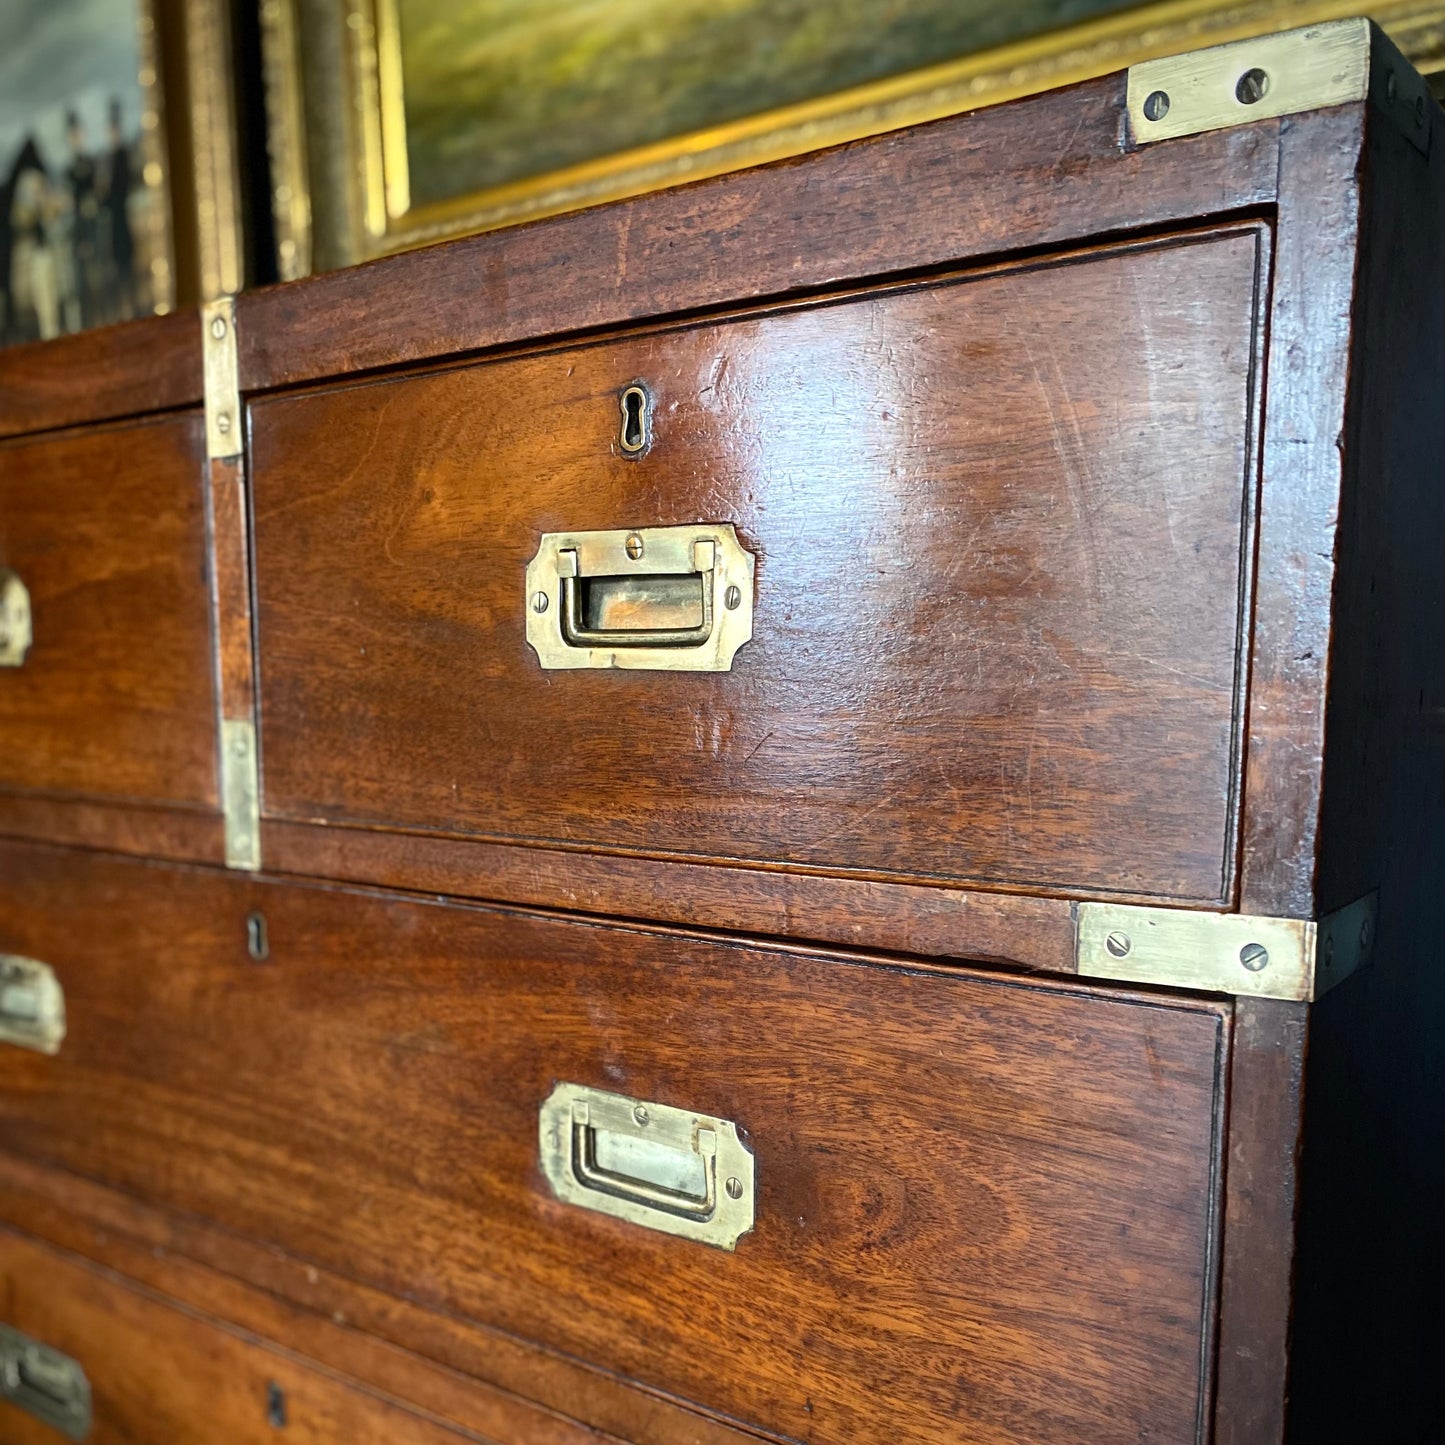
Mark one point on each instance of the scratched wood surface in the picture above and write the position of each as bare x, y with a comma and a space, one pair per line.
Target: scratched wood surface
984, 1205
508, 1390
160, 1375
107, 528
998, 525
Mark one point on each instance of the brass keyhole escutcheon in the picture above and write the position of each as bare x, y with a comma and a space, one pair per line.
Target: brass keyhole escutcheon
636, 422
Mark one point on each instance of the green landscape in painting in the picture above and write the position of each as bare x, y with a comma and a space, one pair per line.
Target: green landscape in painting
498, 90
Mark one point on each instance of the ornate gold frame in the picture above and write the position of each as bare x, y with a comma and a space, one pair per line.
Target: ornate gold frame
371, 212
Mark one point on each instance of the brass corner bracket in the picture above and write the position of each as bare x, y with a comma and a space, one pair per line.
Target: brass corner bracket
221, 378
1277, 75
1281, 958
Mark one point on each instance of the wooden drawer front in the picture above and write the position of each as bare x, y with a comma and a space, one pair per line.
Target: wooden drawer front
107, 530
163, 1376
998, 524
983, 1204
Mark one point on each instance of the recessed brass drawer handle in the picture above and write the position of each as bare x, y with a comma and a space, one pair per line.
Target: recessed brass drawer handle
32, 1005
664, 1168
667, 599
15, 635
44, 1383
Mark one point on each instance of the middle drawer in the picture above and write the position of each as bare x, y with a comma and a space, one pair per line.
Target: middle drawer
982, 1206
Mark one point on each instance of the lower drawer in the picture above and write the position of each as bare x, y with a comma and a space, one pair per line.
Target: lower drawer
111, 1364
982, 1205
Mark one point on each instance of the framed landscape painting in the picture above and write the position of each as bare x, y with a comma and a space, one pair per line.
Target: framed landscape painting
85, 234
397, 122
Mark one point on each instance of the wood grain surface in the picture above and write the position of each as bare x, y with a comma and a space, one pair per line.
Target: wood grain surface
153, 364
998, 612
473, 1375
1311, 319
162, 1375
1017, 930
1043, 171
107, 529
984, 1205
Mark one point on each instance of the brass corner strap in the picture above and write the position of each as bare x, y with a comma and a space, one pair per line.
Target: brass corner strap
221, 379
240, 794
225, 442
1234, 953
1277, 75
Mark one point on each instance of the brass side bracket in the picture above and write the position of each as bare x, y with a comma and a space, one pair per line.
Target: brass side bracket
221, 377
1277, 75
1282, 958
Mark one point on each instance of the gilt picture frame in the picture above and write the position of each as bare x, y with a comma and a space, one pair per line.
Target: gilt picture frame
353, 177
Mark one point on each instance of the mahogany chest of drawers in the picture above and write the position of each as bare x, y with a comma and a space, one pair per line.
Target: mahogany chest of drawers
807, 808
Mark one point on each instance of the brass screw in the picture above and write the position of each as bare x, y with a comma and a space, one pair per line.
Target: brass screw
1156, 105
735, 1188
1253, 86
218, 327
1254, 956
223, 422
1119, 944
539, 602
732, 597
640, 1114
634, 546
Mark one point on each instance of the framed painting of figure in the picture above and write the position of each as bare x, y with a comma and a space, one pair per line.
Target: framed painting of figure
85, 224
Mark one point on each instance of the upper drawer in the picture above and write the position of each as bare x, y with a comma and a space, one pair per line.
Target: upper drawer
106, 530
982, 1208
997, 520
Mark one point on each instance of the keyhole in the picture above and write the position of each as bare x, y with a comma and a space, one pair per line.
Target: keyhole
257, 944
633, 438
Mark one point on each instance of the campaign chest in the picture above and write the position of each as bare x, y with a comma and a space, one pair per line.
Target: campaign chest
807, 808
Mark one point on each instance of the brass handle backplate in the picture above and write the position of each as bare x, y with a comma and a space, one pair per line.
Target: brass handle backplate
15, 634
32, 1005
662, 599
45, 1383
667, 1169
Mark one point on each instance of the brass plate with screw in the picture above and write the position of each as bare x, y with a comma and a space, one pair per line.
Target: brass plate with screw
1234, 953
1276, 75
657, 599
44, 1383
667, 1169
241, 794
220, 371
32, 1004
15, 630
